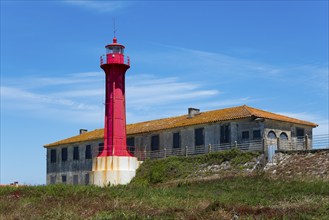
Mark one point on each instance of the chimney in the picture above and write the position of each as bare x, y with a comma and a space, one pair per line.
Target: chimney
193, 112
82, 131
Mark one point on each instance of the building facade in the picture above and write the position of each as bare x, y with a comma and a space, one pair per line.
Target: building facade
71, 160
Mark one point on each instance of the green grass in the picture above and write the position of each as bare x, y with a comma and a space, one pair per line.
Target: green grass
150, 197
179, 168
249, 197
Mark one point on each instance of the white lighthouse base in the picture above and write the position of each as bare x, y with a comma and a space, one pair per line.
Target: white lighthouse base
114, 170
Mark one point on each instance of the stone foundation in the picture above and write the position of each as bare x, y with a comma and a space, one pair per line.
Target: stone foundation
114, 170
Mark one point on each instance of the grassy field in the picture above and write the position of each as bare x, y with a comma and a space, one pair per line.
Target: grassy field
150, 197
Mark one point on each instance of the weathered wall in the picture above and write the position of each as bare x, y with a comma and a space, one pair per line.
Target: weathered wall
212, 136
71, 167
84, 177
293, 142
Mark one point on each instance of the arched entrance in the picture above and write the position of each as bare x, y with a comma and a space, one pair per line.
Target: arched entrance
272, 145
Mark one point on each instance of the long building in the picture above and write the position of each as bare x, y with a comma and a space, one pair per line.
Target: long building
71, 160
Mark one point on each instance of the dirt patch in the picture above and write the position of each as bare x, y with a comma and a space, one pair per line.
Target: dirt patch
267, 212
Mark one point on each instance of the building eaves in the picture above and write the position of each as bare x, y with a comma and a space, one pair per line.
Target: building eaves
226, 114
273, 116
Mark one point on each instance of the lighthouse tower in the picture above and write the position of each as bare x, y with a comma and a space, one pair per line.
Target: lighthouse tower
115, 164
115, 65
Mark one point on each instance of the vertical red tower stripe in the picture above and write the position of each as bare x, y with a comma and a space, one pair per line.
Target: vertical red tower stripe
115, 67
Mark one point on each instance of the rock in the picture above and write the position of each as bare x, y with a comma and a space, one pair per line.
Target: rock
302, 164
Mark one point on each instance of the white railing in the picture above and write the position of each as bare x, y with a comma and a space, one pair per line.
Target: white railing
296, 143
303, 143
320, 141
122, 59
189, 151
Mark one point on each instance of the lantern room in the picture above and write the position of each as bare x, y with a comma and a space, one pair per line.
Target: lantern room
115, 54
114, 48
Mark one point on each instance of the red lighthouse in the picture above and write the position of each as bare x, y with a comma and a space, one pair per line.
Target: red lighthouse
114, 165
115, 64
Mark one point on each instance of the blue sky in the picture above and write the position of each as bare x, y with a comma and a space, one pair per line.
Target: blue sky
271, 55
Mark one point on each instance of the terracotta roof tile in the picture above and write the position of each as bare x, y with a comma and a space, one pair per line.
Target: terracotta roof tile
268, 115
182, 121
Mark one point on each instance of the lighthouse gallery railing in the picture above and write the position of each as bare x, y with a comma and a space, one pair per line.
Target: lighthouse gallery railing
104, 59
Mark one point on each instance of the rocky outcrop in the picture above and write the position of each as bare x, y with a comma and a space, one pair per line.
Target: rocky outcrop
300, 165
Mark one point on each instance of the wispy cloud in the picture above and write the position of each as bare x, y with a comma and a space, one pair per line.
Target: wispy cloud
100, 6
229, 72
16, 94
214, 104
198, 64
300, 115
323, 123
32, 82
192, 79
43, 105
77, 96
55, 96
198, 61
147, 91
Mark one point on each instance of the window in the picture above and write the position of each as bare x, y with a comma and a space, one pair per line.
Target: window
198, 137
64, 154
87, 179
155, 142
100, 147
88, 152
283, 136
76, 153
245, 135
53, 156
300, 133
115, 50
75, 179
63, 178
271, 135
131, 144
256, 134
225, 134
176, 140
52, 179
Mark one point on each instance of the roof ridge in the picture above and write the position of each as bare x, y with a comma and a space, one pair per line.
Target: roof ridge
157, 119
251, 109
201, 112
248, 109
217, 115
